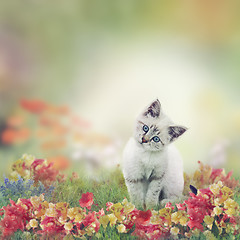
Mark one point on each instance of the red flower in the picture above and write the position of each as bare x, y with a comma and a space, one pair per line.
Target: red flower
43, 173
197, 207
215, 173
51, 226
15, 218
143, 217
33, 106
86, 200
89, 219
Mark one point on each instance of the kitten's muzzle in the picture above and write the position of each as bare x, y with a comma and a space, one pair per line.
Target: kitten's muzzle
145, 140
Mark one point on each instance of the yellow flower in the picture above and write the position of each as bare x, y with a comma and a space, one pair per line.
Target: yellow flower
51, 211
230, 211
155, 217
208, 220
14, 175
174, 231
78, 217
28, 159
209, 235
227, 191
179, 217
218, 201
62, 220
112, 219
62, 207
128, 207
217, 210
166, 214
230, 203
214, 188
68, 226
117, 207
104, 220
71, 213
121, 228
33, 223
231, 206
36, 201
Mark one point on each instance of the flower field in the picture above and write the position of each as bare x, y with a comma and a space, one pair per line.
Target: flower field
38, 202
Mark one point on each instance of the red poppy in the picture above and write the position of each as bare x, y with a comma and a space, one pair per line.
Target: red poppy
86, 200
143, 217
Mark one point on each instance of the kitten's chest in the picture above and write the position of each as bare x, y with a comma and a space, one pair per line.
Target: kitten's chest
152, 163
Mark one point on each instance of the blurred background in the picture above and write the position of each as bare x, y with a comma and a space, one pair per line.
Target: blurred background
75, 74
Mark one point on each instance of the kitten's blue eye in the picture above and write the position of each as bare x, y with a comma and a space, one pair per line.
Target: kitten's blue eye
156, 139
145, 128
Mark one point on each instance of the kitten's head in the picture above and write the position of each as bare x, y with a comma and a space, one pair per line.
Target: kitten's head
154, 129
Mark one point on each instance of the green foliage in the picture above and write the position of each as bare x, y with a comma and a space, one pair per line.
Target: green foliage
109, 189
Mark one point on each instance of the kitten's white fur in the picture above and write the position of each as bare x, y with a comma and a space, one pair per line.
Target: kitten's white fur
153, 171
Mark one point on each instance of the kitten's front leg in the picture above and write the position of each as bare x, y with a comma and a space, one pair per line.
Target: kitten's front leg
136, 191
154, 190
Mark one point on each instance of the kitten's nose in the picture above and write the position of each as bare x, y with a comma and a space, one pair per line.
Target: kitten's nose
144, 140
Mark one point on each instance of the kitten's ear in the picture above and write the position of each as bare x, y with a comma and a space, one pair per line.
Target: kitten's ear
153, 110
175, 131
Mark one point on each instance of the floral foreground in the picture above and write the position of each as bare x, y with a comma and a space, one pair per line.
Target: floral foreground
211, 212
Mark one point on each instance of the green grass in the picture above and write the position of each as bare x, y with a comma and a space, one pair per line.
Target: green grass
109, 189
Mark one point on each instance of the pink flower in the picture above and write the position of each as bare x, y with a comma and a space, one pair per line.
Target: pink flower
181, 206
86, 200
169, 205
108, 205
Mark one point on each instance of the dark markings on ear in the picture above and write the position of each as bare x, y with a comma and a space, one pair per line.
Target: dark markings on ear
175, 132
153, 110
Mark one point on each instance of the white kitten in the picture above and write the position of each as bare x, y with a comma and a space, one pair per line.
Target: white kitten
152, 167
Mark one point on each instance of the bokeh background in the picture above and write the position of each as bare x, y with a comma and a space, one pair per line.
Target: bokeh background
75, 74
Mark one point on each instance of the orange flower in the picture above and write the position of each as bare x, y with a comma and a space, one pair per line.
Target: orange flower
59, 110
60, 162
53, 144
33, 106
15, 121
12, 136
46, 121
